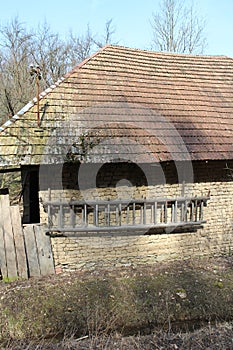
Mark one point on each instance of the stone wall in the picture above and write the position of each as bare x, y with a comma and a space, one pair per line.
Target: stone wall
108, 249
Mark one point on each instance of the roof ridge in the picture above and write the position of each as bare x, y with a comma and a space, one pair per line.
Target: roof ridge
81, 64
166, 53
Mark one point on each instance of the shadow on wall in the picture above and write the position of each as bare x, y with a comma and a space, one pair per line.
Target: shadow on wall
108, 175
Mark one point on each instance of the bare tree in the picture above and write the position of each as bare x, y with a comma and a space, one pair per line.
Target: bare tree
80, 47
177, 28
50, 53
107, 38
14, 61
55, 56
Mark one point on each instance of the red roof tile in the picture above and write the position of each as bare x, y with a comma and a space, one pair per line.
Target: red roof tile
152, 105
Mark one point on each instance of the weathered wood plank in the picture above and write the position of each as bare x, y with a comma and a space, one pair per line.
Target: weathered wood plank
155, 212
201, 211
19, 242
3, 265
173, 212
85, 215
144, 214
109, 214
134, 213
45, 255
126, 202
9, 237
31, 251
120, 212
60, 217
176, 208
165, 212
72, 215
96, 215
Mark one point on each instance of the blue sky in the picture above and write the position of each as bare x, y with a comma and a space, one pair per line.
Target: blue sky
131, 19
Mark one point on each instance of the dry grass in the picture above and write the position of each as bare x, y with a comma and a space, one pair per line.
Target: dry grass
210, 337
106, 309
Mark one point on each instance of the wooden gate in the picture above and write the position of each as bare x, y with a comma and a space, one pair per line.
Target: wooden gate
25, 251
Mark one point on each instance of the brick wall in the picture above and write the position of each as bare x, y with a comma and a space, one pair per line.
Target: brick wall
113, 181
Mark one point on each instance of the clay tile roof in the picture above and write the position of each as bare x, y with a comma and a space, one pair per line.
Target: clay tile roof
124, 103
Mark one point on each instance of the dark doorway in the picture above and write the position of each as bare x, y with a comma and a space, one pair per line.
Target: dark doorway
30, 182
34, 197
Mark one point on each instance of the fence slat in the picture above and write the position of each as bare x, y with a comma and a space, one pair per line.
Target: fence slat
31, 250
9, 237
44, 250
19, 242
3, 265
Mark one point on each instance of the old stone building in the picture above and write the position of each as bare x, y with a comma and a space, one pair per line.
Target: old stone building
130, 160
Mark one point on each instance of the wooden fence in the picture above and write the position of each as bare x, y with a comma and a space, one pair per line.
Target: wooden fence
25, 251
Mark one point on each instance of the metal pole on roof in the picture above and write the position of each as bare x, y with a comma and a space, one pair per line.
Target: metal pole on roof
35, 70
